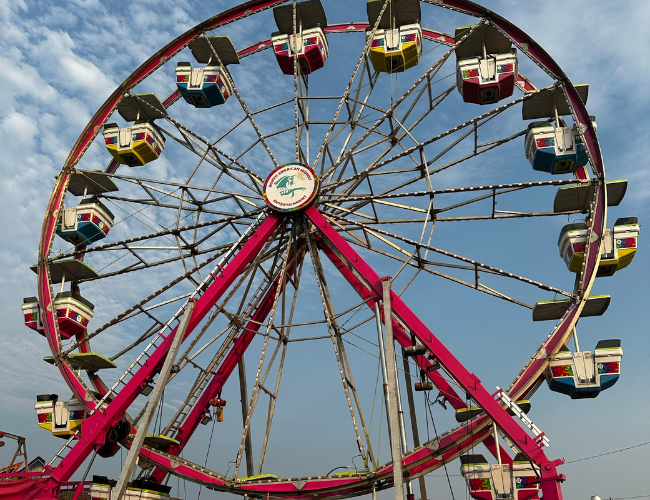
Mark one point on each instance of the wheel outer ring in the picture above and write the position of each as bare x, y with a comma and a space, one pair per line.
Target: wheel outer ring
524, 43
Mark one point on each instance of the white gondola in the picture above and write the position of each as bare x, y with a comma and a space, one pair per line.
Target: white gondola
86, 223
585, 374
499, 481
486, 64
101, 488
554, 147
32, 314
618, 246
73, 312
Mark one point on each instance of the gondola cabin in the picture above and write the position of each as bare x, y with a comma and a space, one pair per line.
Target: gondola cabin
585, 374
555, 149
618, 245
73, 313
209, 85
395, 50
486, 64
32, 314
525, 475
141, 142
101, 488
397, 43
86, 223
492, 482
309, 46
136, 145
203, 87
61, 418
146, 489
487, 80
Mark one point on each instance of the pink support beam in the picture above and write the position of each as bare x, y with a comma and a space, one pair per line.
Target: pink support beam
95, 426
449, 446
468, 381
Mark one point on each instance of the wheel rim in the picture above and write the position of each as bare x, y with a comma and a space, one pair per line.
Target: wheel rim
523, 385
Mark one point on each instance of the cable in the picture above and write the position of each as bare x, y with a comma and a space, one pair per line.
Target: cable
444, 462
609, 453
207, 454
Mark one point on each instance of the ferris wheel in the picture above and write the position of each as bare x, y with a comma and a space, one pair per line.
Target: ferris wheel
313, 190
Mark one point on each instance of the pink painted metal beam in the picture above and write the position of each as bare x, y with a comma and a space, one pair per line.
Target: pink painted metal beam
468, 381
450, 445
95, 426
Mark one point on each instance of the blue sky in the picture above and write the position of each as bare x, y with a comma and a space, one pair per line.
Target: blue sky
62, 60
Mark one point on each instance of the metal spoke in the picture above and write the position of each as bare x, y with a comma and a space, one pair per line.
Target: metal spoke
377, 232
347, 89
284, 331
259, 378
243, 105
339, 352
377, 165
235, 328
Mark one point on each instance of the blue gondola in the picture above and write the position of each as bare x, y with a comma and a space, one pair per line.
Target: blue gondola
583, 374
208, 86
86, 223
554, 147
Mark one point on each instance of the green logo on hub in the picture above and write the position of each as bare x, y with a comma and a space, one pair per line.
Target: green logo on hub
284, 184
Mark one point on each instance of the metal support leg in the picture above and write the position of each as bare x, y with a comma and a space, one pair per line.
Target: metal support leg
382, 359
145, 421
244, 412
391, 369
414, 422
402, 430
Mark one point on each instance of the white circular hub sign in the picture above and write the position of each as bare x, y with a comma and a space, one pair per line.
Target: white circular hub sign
290, 187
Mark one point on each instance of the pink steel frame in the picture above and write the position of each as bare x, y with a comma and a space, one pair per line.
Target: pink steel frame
96, 426
367, 283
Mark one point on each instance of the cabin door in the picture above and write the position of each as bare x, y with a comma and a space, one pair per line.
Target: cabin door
60, 416
70, 218
502, 480
488, 68
196, 78
125, 137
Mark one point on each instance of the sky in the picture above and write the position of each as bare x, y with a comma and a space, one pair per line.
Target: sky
62, 60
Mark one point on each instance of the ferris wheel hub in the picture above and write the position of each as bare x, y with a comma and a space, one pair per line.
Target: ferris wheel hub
291, 187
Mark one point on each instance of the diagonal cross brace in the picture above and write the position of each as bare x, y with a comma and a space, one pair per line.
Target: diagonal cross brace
468, 381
